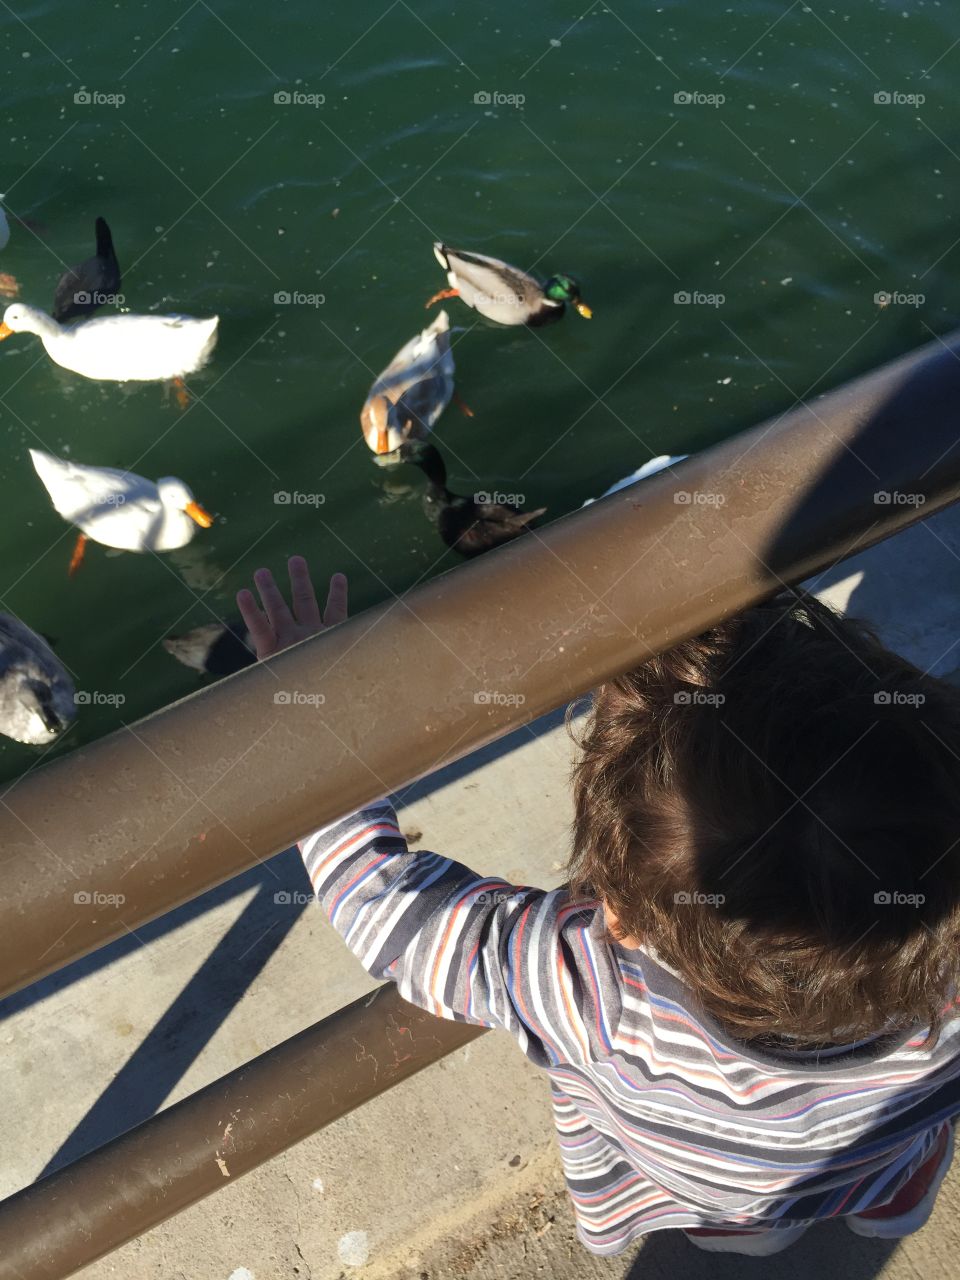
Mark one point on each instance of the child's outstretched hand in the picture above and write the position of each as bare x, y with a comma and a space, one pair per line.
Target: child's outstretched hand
274, 627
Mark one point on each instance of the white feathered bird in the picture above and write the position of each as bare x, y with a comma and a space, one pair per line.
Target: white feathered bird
118, 508
37, 699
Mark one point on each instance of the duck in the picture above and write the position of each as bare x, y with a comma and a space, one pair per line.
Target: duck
120, 348
504, 293
9, 287
410, 394
468, 525
118, 508
214, 649
37, 695
659, 463
84, 288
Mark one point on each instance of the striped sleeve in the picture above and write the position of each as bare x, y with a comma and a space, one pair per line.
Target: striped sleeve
463, 946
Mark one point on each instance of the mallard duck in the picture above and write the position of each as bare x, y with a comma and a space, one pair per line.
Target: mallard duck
468, 525
120, 348
9, 287
118, 508
84, 288
37, 699
411, 393
650, 468
215, 649
504, 293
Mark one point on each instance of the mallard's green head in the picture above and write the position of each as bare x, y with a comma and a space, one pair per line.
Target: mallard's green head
563, 288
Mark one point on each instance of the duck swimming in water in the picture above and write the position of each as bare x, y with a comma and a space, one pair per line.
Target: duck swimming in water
504, 293
84, 288
214, 649
411, 393
37, 698
468, 525
9, 286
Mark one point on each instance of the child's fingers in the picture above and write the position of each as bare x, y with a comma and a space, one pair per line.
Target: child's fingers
336, 607
281, 619
302, 594
256, 622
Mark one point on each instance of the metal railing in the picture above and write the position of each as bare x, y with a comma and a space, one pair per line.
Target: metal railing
586, 598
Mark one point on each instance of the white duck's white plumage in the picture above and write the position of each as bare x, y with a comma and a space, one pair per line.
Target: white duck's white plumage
120, 348
417, 384
650, 468
118, 508
37, 700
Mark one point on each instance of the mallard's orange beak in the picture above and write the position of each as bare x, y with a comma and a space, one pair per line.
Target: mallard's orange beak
5, 331
197, 514
584, 310
383, 440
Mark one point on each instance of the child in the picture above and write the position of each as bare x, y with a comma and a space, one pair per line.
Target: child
745, 998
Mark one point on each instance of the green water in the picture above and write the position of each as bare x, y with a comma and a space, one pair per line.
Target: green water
797, 198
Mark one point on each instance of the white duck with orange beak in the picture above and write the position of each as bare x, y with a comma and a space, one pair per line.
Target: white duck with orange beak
411, 393
118, 508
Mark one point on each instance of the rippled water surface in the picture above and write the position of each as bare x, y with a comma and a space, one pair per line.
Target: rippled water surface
791, 160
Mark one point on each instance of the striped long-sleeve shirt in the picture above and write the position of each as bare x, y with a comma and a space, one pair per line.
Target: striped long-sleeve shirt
663, 1119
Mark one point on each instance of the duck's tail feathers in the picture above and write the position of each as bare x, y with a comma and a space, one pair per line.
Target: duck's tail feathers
440, 253
528, 517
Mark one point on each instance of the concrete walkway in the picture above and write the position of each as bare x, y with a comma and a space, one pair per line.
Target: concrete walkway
454, 1172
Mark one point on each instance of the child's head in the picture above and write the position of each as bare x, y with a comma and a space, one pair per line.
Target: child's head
774, 809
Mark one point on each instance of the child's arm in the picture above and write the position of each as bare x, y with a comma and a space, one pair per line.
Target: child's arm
463, 946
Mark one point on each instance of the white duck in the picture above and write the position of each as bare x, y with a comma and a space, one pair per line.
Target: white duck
411, 393
659, 463
120, 348
118, 508
37, 700
9, 287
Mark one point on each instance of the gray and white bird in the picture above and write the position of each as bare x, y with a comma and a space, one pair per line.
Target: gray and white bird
504, 293
37, 697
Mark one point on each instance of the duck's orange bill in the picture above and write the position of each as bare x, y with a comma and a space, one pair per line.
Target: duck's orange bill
383, 441
5, 331
196, 513
584, 310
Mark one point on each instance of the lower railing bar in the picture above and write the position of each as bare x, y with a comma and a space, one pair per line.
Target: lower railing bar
206, 1141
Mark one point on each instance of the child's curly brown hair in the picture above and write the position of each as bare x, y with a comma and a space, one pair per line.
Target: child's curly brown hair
773, 808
